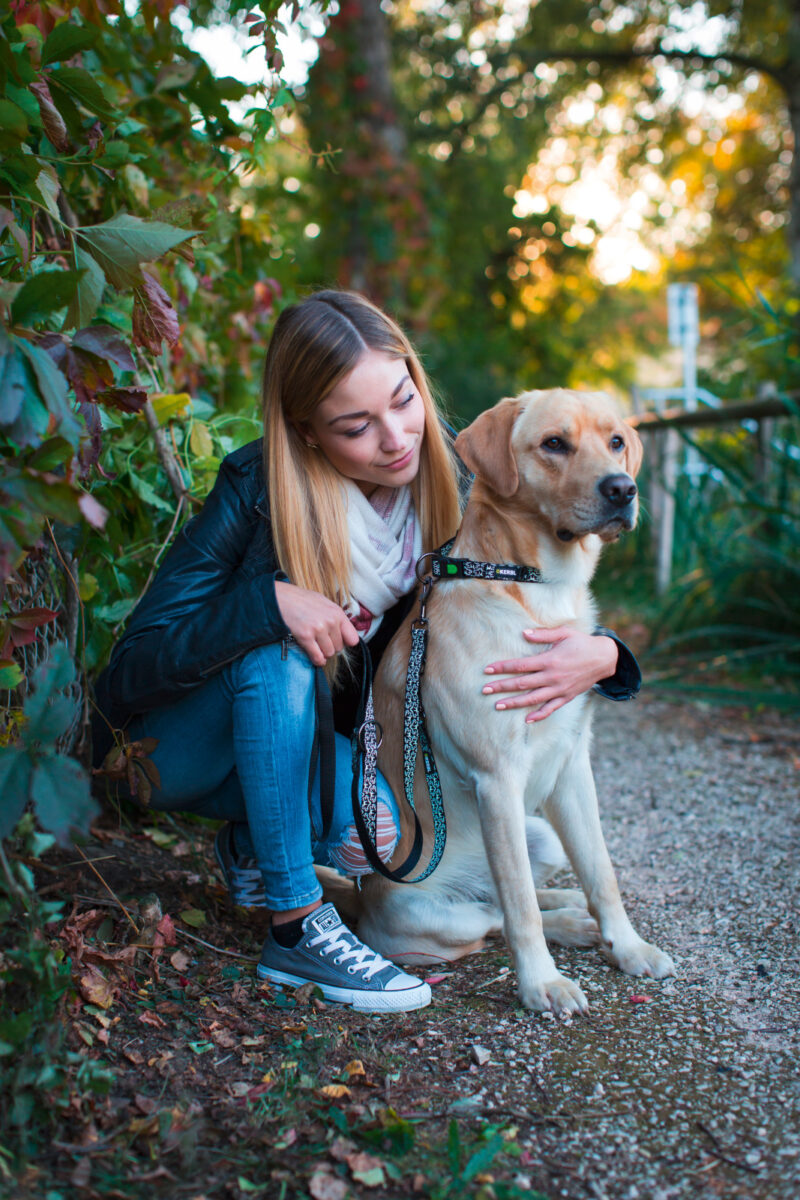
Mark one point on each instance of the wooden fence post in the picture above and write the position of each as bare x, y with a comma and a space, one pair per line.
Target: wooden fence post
666, 528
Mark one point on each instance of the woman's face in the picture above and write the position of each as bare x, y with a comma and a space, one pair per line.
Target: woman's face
371, 425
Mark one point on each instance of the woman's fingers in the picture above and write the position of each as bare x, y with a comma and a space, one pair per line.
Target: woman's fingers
319, 626
537, 695
539, 714
349, 631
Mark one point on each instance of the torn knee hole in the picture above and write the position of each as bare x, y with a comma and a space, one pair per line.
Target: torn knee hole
349, 855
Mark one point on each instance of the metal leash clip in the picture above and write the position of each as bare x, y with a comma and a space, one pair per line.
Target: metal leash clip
378, 735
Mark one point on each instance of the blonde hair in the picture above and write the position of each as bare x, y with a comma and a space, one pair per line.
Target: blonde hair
314, 345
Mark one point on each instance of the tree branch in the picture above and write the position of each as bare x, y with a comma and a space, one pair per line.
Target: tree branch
529, 58
781, 73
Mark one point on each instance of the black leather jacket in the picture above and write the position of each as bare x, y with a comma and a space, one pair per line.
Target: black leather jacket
213, 600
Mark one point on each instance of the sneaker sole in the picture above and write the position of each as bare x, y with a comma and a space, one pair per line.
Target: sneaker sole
403, 1001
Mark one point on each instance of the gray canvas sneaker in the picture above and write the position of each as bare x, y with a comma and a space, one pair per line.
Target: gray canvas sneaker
244, 879
331, 956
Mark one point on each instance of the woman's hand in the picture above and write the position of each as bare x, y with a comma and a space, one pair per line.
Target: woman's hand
574, 663
318, 625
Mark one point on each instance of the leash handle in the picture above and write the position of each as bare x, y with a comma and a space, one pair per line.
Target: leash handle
366, 741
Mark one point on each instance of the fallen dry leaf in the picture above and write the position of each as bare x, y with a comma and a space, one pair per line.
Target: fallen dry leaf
95, 987
152, 1018
335, 1091
340, 1147
323, 1186
366, 1169
180, 961
356, 1067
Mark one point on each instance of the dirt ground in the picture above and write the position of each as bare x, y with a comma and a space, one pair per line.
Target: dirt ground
225, 1088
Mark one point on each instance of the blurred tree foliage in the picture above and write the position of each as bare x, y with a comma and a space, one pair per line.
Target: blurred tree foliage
459, 146
135, 295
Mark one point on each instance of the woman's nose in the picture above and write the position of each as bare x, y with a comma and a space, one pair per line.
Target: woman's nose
393, 436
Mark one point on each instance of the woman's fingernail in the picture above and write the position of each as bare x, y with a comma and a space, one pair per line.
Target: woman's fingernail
488, 670
500, 705
487, 690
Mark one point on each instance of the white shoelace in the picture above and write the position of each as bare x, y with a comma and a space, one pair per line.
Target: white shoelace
365, 960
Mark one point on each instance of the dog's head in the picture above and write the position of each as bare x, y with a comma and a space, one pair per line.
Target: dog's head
568, 455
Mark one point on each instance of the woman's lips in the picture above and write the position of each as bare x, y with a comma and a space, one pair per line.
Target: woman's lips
399, 463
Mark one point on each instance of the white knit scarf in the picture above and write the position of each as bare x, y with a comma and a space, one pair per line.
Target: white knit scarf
385, 543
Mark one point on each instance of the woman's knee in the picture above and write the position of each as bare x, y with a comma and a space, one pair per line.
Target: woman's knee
284, 670
348, 856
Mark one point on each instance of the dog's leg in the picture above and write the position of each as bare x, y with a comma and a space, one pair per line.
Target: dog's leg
413, 926
502, 818
574, 812
565, 917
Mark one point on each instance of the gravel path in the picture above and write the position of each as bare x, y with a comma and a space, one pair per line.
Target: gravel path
681, 1089
694, 1090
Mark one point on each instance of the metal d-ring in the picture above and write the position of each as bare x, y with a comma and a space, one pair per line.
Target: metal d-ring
421, 574
377, 726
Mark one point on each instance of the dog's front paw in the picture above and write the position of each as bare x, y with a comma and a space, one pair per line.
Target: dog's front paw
640, 958
558, 995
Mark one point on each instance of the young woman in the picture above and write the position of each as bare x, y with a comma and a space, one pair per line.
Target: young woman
305, 544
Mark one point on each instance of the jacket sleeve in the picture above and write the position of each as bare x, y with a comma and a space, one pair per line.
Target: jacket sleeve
626, 681
197, 614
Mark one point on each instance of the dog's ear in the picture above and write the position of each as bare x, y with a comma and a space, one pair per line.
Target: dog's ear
485, 447
633, 452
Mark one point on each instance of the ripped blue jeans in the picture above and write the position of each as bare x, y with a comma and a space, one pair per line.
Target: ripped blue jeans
238, 749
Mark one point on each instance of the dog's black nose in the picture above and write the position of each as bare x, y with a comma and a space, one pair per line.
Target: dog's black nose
619, 490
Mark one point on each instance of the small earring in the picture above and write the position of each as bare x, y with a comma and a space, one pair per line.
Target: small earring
313, 445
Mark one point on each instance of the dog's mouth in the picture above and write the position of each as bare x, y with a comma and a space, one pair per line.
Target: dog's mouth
607, 530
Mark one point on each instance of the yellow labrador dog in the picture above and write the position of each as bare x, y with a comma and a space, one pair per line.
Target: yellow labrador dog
554, 475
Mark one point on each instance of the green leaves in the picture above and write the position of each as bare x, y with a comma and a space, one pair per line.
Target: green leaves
89, 292
13, 122
61, 796
33, 770
43, 294
67, 40
84, 88
121, 245
15, 774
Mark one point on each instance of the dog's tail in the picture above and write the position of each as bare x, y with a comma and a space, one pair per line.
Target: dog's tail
341, 892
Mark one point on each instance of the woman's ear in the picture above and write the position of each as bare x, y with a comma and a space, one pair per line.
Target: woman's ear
305, 433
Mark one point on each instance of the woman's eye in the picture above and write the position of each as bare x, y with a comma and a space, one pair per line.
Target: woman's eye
617, 443
406, 400
354, 433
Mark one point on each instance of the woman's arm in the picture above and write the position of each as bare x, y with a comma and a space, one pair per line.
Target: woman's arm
195, 617
574, 663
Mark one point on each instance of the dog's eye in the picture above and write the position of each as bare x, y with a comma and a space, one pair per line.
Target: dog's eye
617, 443
556, 444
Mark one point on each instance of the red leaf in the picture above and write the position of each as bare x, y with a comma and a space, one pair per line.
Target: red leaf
128, 399
53, 122
154, 318
31, 618
165, 932
105, 342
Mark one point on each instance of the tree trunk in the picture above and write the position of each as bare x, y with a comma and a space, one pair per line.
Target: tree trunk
372, 208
